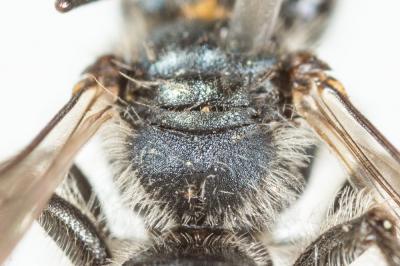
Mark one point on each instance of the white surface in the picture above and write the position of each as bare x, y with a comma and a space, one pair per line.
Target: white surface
43, 52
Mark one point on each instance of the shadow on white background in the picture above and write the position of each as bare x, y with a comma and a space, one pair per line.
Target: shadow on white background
42, 54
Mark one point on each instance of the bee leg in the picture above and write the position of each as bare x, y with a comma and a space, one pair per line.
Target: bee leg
301, 22
77, 190
344, 243
74, 233
84, 188
106, 72
372, 162
39, 168
73, 220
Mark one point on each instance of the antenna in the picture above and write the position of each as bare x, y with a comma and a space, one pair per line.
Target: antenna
67, 5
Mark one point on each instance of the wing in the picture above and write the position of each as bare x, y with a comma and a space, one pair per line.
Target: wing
369, 157
28, 180
252, 24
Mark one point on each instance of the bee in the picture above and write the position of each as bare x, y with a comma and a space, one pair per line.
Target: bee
204, 120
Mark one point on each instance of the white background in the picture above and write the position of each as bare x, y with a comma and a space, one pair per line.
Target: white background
43, 52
